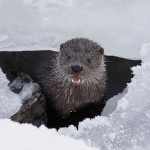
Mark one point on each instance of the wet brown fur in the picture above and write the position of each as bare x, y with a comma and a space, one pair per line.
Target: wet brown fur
67, 97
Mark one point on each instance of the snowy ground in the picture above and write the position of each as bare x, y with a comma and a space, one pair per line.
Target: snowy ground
121, 27
26, 137
10, 102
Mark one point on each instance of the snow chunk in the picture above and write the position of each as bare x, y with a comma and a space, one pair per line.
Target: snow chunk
10, 103
112, 104
24, 86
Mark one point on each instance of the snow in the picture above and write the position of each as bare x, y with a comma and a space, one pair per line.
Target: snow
128, 126
10, 103
27, 137
25, 87
121, 27
112, 103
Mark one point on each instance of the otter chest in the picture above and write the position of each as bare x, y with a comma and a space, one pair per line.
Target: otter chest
79, 94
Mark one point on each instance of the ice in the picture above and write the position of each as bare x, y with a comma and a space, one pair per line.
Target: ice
24, 86
10, 102
3, 37
128, 127
112, 103
27, 137
121, 27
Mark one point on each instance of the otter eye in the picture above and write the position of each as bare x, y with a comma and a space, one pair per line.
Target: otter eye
88, 60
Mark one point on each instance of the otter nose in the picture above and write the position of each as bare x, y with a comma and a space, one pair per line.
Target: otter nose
76, 68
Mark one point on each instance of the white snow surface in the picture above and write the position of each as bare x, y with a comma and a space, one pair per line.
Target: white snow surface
128, 127
10, 102
14, 136
120, 26
28, 90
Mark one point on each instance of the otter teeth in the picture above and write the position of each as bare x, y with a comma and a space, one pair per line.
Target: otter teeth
76, 80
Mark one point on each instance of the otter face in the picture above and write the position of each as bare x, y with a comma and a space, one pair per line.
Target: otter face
79, 59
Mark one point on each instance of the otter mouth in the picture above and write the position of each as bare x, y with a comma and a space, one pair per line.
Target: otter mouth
76, 80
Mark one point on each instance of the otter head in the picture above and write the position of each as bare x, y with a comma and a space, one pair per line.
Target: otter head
79, 59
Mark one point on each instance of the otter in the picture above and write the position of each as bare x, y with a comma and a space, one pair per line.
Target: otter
78, 77
76, 81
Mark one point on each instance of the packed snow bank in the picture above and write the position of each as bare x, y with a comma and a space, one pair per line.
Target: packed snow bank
24, 86
14, 136
10, 102
128, 127
120, 26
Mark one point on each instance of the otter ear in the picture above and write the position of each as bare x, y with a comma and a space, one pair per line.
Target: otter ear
61, 46
102, 50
